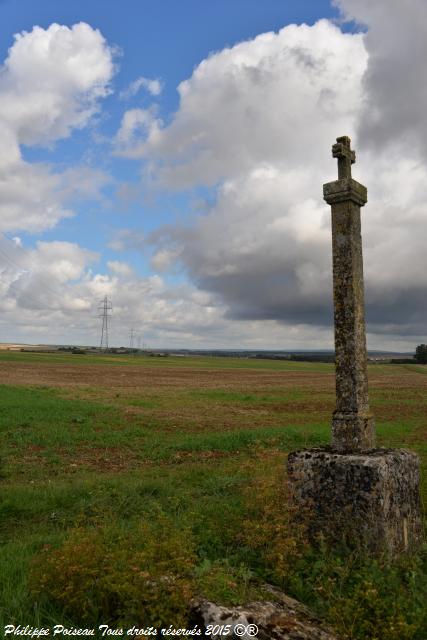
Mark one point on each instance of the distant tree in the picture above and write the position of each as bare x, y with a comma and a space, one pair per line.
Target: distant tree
421, 354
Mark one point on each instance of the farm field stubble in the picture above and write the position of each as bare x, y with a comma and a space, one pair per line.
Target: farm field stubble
96, 444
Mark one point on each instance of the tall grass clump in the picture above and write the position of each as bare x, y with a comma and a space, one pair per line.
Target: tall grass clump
122, 577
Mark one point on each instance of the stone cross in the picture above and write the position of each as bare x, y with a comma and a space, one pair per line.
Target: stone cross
352, 492
346, 157
353, 427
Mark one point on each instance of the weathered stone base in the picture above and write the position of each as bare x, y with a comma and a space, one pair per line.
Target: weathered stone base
359, 430
369, 500
283, 618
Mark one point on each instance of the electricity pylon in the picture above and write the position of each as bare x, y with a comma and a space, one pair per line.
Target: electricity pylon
105, 307
131, 337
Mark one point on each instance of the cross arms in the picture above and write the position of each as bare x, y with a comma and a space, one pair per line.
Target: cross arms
346, 156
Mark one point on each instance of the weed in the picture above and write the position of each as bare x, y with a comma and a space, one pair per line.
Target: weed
221, 582
119, 577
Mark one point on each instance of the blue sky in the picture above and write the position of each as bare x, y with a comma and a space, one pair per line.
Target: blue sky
158, 197
155, 39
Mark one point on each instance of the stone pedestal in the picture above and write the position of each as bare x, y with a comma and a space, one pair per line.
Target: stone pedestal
364, 499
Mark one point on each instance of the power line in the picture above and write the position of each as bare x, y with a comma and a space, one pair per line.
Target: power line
105, 306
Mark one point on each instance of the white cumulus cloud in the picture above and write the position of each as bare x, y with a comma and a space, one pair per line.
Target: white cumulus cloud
153, 86
50, 83
120, 268
136, 124
52, 80
276, 98
258, 120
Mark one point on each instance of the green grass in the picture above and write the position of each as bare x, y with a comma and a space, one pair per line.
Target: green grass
44, 433
108, 459
231, 397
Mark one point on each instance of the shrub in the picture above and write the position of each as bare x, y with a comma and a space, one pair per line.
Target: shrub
141, 577
270, 529
421, 354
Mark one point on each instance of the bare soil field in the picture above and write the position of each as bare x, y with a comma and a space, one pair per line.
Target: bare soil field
94, 447
143, 377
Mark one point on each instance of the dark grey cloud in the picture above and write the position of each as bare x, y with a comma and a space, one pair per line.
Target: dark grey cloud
395, 106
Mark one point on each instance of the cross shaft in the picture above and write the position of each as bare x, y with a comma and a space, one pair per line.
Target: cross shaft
352, 424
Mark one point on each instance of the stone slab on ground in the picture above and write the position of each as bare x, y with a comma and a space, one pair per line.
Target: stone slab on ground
368, 499
281, 619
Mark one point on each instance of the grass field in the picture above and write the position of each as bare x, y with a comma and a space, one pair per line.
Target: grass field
180, 461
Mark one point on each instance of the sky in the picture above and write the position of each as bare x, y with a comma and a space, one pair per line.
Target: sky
171, 156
